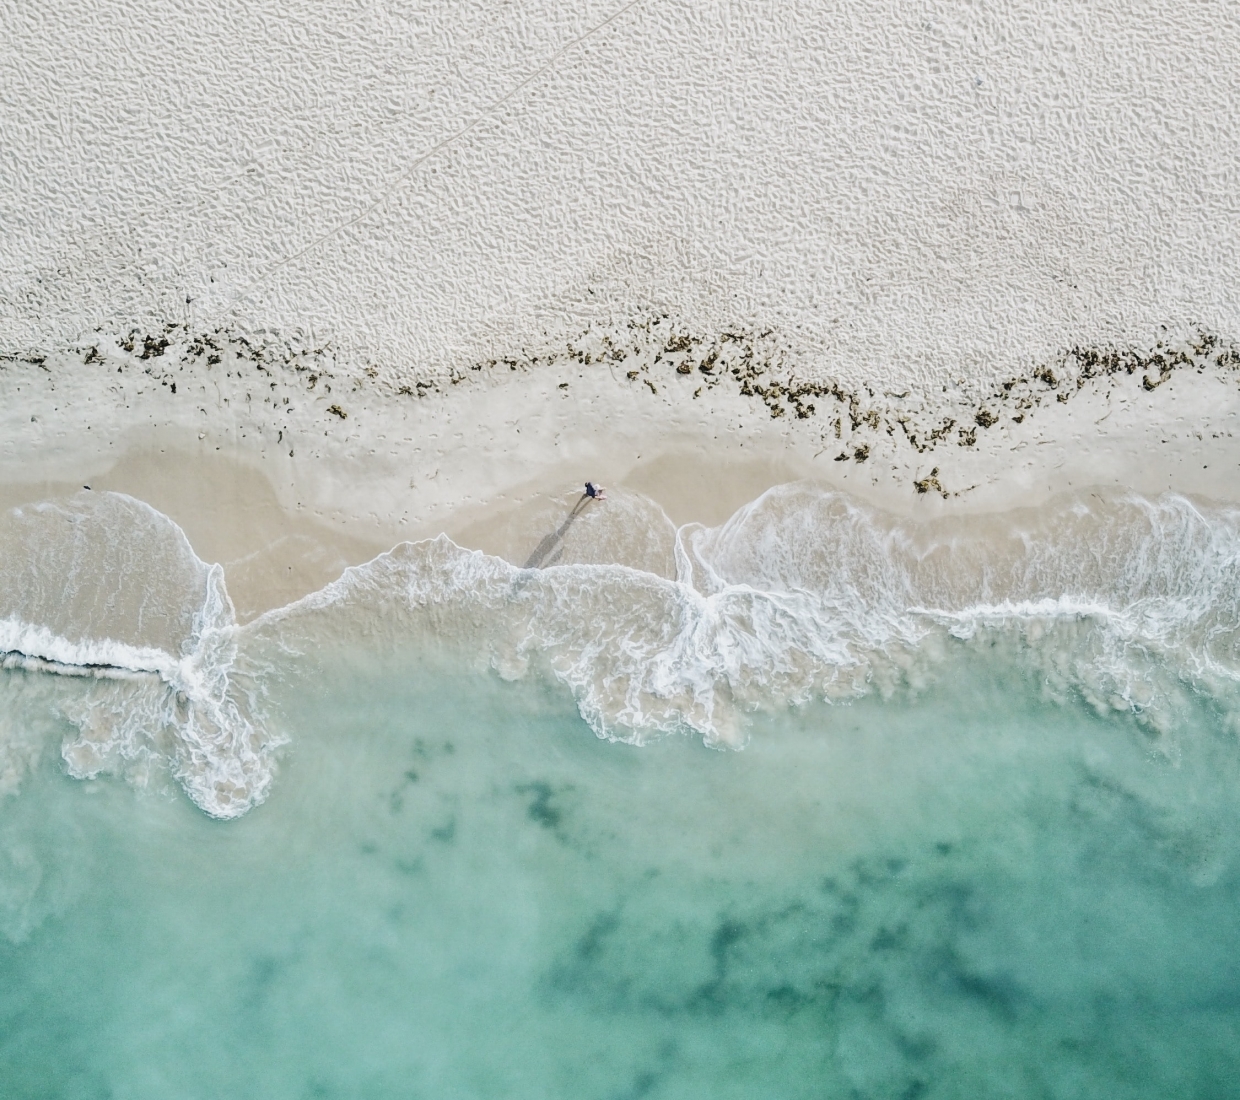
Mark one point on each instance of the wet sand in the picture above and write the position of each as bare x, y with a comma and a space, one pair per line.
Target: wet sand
266, 477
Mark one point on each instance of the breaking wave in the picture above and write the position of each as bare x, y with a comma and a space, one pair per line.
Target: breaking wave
1128, 603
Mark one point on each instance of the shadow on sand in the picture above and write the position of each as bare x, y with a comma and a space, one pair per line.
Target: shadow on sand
548, 551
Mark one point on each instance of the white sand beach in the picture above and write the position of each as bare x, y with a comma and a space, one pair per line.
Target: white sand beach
259, 467
313, 282
517, 248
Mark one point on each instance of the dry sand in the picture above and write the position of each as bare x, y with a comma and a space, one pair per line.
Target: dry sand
908, 194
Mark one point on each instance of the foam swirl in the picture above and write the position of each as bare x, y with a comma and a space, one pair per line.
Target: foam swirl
105, 589
1127, 603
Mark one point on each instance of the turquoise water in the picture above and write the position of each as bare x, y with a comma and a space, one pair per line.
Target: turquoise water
452, 828
455, 889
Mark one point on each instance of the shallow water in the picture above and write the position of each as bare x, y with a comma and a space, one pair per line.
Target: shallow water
455, 889
1002, 862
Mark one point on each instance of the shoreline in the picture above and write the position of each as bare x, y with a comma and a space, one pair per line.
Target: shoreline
288, 474
949, 262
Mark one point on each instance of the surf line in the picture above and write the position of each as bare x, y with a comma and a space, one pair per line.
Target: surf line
386, 193
16, 659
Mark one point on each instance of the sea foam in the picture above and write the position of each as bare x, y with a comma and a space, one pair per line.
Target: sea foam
104, 588
1126, 602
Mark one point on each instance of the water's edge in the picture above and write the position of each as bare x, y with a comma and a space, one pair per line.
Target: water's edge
1129, 603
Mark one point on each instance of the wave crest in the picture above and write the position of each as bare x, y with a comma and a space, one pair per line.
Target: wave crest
1125, 602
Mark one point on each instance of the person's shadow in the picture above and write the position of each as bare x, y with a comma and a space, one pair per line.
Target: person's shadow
548, 552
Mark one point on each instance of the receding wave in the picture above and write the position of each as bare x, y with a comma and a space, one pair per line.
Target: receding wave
104, 588
1125, 602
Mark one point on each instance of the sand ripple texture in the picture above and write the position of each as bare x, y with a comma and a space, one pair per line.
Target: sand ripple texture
916, 193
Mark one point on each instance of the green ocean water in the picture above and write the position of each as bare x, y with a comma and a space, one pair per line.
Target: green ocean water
455, 889
457, 827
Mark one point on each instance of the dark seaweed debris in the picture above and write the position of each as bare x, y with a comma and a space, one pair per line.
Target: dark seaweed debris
931, 483
655, 351
763, 366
